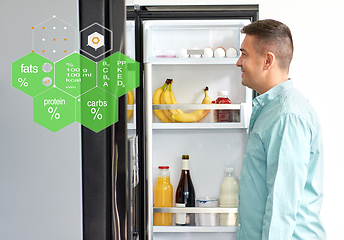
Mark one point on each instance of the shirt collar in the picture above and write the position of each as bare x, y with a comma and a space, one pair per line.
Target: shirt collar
272, 93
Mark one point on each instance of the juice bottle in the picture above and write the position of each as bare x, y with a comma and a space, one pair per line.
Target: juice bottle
223, 115
163, 197
229, 198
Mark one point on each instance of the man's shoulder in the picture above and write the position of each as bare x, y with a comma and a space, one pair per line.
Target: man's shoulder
293, 103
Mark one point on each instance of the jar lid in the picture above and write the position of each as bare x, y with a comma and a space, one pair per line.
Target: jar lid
163, 167
229, 170
222, 93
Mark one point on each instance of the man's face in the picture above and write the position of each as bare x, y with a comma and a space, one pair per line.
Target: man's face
251, 63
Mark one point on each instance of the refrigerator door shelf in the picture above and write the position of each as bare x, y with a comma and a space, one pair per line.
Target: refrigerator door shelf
195, 106
194, 210
196, 229
193, 61
240, 114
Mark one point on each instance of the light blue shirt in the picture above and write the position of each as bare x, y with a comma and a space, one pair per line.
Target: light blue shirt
280, 188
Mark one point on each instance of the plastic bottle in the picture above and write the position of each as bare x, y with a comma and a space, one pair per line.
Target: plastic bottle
185, 195
163, 197
223, 115
229, 198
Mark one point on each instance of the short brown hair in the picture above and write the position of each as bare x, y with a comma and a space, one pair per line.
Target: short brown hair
272, 36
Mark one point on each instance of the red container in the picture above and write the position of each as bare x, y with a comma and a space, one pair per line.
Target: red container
223, 115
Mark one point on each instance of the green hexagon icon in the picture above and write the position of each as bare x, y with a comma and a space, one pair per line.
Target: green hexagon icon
32, 74
118, 74
75, 74
54, 109
97, 109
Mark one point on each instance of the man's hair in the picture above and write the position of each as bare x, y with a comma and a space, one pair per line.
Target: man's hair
272, 36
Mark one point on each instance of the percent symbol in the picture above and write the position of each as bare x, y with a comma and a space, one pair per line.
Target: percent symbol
22, 81
96, 114
54, 113
69, 64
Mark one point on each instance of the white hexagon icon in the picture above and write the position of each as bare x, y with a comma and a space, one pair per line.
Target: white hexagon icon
95, 40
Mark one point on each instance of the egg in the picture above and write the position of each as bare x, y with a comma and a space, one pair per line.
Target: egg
208, 52
220, 52
231, 52
183, 53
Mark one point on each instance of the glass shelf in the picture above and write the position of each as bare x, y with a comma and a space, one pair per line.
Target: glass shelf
240, 116
194, 229
193, 61
194, 210
132, 121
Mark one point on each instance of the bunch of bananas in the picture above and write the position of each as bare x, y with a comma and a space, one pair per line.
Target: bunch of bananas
164, 95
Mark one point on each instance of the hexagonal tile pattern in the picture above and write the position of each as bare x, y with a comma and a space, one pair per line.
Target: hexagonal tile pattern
54, 39
118, 74
32, 74
75, 74
97, 109
54, 109
67, 86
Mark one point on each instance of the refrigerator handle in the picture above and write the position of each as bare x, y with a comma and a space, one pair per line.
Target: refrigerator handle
149, 146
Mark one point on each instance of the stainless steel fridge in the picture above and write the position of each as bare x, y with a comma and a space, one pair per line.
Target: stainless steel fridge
119, 164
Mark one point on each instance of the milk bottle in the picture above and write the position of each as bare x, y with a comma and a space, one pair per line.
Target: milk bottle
229, 198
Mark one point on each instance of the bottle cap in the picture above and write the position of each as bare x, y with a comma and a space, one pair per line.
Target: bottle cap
222, 93
185, 157
163, 167
229, 170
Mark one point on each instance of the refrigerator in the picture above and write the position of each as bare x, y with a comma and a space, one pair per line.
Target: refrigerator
120, 163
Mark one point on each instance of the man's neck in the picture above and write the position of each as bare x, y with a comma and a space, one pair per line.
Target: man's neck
272, 81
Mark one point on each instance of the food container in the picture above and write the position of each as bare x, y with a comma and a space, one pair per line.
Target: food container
207, 219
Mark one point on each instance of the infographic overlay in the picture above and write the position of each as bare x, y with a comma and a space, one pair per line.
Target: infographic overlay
67, 86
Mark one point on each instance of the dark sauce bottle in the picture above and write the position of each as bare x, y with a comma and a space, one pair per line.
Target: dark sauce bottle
185, 195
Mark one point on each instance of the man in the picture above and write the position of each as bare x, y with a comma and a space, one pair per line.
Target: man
280, 190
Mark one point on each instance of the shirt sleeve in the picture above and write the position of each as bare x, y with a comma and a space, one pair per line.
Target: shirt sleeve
288, 153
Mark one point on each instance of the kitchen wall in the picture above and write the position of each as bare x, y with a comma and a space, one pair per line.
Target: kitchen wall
317, 71
40, 180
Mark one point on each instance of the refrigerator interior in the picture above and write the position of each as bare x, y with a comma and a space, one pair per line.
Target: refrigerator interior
212, 146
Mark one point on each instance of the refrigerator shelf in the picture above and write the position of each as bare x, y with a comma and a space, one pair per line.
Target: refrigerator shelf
131, 123
195, 106
173, 126
131, 126
182, 229
131, 106
194, 210
193, 61
239, 115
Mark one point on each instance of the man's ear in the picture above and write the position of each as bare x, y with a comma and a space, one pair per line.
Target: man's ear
269, 60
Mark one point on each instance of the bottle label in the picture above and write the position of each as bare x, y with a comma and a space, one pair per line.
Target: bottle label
180, 217
185, 164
